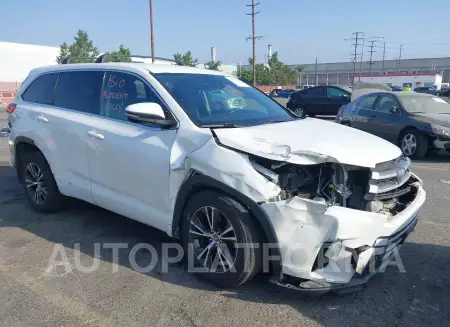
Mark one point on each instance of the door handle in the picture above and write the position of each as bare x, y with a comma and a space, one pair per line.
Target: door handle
96, 135
373, 116
42, 119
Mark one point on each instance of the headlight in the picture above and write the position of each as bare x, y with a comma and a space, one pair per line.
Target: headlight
440, 130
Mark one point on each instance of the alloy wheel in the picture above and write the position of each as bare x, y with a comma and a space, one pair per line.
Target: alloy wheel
409, 144
214, 239
299, 111
34, 181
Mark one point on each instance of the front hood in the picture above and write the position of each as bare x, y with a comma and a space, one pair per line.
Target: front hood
438, 119
310, 141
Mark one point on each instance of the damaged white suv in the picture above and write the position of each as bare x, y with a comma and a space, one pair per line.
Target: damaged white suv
248, 187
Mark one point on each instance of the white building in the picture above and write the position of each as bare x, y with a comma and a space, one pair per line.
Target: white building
16, 60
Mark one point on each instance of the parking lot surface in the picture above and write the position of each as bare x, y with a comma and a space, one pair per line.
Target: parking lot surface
35, 294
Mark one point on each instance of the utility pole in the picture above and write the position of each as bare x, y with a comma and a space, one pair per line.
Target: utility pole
253, 37
361, 60
371, 53
152, 41
354, 57
317, 76
399, 59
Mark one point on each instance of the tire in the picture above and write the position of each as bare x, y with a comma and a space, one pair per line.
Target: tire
245, 261
300, 111
52, 200
421, 144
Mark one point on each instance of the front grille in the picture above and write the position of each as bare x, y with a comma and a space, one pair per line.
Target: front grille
389, 180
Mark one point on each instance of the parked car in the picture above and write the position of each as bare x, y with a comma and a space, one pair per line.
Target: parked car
237, 187
416, 122
318, 100
427, 90
445, 93
396, 88
280, 93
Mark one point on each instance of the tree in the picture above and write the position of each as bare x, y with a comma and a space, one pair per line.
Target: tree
63, 52
82, 49
213, 65
246, 76
123, 55
185, 59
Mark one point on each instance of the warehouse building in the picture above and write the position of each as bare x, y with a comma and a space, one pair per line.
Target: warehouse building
341, 73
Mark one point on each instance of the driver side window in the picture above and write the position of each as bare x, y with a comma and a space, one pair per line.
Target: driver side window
121, 90
385, 104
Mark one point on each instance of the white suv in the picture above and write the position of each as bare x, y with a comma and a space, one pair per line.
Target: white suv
255, 186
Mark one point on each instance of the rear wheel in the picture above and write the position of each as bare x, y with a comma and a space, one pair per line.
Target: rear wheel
413, 144
39, 184
220, 239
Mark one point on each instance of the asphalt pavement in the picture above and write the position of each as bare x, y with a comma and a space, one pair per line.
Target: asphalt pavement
32, 293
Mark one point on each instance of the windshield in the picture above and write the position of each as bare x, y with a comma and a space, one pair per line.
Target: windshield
221, 100
425, 104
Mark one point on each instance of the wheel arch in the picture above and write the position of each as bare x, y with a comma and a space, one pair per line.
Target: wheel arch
21, 144
197, 182
411, 127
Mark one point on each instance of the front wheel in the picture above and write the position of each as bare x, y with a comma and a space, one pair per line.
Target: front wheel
219, 238
300, 111
413, 144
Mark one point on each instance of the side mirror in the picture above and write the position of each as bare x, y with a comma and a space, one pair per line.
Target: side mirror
148, 113
395, 110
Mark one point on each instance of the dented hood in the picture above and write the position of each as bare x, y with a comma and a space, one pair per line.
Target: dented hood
310, 141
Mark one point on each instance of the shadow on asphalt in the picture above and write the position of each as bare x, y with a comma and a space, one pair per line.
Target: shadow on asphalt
419, 297
434, 157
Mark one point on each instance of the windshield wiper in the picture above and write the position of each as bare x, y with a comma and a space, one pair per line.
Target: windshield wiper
224, 125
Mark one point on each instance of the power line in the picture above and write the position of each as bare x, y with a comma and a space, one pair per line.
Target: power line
253, 37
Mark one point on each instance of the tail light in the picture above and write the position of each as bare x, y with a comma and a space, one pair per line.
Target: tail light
10, 108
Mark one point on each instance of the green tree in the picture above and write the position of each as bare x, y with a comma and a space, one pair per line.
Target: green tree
63, 52
81, 50
185, 59
213, 65
246, 76
123, 55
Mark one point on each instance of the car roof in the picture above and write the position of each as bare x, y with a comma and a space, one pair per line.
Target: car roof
153, 68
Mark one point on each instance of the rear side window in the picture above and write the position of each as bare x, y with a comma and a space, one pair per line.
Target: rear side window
41, 90
79, 91
316, 91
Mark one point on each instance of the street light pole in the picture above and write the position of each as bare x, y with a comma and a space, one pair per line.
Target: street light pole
152, 41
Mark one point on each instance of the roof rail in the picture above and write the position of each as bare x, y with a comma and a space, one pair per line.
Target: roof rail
69, 58
102, 57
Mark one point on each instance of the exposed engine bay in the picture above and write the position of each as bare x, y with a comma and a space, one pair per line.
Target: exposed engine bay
388, 189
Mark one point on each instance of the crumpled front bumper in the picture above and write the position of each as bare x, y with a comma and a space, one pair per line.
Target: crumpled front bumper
357, 243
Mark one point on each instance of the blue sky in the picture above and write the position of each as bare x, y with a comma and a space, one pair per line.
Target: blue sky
300, 30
